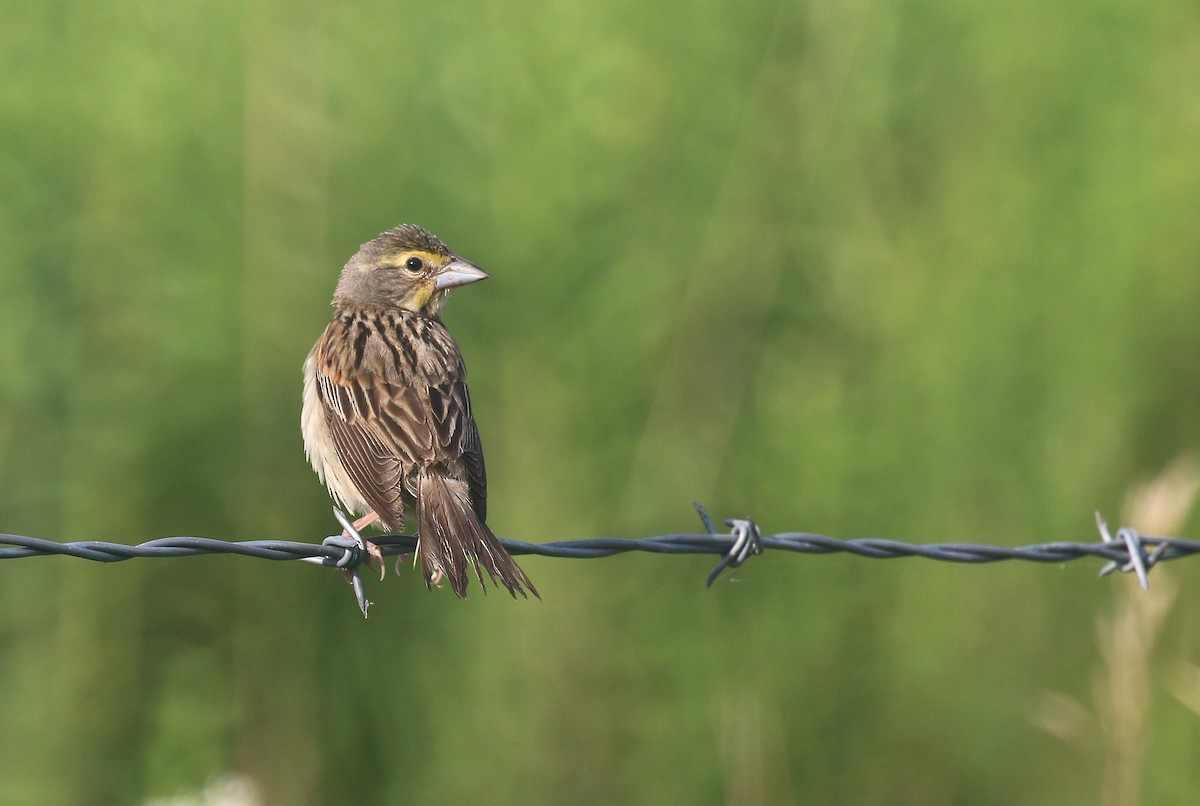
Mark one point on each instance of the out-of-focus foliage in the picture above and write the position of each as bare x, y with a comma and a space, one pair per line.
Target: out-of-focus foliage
926, 270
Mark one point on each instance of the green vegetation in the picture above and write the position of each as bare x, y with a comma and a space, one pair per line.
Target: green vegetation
926, 271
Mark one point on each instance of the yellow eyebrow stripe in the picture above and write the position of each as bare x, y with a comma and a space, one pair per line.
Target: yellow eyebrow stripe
430, 258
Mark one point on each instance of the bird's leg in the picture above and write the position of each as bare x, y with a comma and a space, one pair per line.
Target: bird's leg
374, 555
366, 520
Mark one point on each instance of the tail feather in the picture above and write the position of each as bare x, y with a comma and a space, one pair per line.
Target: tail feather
450, 535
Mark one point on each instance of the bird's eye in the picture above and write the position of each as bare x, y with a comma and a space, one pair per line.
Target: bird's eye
414, 264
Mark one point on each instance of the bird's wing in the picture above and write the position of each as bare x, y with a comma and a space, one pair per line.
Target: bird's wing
374, 449
383, 424
378, 428
465, 443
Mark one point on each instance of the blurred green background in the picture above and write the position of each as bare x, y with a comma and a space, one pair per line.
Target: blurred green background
926, 271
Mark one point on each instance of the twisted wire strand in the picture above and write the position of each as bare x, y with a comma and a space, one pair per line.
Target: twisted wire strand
591, 548
1128, 551
596, 547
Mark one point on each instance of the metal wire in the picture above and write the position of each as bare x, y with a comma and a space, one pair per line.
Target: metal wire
1127, 552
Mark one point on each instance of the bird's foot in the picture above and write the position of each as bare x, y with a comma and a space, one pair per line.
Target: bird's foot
374, 558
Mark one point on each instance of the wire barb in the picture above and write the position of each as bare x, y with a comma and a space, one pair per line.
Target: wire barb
747, 541
351, 562
1139, 561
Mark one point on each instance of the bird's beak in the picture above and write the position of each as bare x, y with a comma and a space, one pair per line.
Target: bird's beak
458, 272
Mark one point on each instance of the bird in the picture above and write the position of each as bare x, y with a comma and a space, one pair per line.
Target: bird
386, 416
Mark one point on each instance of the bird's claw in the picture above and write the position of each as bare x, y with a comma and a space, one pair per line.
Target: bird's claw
374, 558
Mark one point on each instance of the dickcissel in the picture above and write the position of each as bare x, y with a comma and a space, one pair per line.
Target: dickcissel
387, 420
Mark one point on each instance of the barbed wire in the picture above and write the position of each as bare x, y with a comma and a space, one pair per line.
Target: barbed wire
1127, 551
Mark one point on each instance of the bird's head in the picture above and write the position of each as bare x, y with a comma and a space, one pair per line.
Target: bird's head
406, 267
